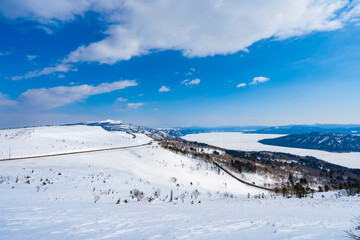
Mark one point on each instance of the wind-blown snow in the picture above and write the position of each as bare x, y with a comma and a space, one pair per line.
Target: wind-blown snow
249, 142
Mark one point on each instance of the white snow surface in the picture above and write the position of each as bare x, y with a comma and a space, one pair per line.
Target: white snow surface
54, 198
249, 142
24, 142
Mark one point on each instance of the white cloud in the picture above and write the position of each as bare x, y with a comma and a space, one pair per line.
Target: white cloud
241, 85
131, 106
205, 28
164, 89
61, 76
48, 98
134, 105
6, 101
30, 57
257, 80
198, 29
191, 71
120, 99
46, 71
191, 82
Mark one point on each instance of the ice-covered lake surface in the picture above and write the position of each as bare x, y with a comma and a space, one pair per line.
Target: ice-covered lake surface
249, 142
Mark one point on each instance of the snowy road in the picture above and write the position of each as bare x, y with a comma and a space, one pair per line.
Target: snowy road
77, 152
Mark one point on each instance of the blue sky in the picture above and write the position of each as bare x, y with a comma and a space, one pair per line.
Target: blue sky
171, 63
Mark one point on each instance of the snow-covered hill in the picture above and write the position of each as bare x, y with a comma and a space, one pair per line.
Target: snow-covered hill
331, 142
161, 194
58, 139
155, 133
146, 168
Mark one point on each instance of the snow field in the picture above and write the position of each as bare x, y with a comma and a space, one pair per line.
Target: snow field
59, 139
76, 196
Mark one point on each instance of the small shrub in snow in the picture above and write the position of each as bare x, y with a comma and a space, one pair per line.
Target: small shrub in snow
195, 194
157, 193
182, 197
96, 198
173, 179
135, 193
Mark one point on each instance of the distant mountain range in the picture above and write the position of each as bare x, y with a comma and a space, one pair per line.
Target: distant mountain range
162, 133
155, 133
298, 129
331, 142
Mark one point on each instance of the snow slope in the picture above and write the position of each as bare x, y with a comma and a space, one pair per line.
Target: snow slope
282, 219
54, 198
249, 142
59, 139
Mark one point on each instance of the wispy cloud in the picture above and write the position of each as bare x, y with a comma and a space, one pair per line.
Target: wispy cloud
46, 71
135, 105
191, 82
48, 98
191, 71
31, 57
131, 106
120, 99
241, 85
164, 89
257, 80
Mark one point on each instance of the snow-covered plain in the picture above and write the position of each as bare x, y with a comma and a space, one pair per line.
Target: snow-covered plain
249, 142
54, 198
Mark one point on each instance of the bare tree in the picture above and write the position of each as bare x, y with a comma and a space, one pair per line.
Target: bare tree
354, 232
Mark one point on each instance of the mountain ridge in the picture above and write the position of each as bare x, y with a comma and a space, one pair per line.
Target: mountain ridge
330, 142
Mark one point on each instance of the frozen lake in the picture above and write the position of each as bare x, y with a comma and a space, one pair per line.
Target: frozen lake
249, 142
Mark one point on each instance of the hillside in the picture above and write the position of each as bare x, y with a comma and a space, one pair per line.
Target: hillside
331, 142
155, 133
168, 189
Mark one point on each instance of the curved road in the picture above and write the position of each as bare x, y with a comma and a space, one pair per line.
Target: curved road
77, 152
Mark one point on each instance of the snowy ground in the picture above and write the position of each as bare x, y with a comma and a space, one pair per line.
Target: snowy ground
54, 198
59, 139
222, 219
249, 142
